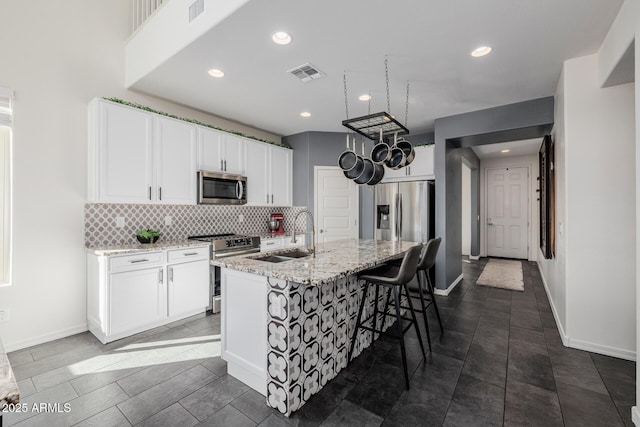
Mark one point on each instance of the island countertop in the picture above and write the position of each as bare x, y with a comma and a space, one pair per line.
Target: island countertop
333, 260
9, 393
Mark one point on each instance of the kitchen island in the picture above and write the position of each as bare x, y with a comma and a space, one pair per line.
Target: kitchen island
286, 325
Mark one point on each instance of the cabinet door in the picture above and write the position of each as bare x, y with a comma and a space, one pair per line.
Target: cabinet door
209, 150
176, 161
124, 153
422, 164
257, 183
188, 287
234, 159
281, 176
136, 299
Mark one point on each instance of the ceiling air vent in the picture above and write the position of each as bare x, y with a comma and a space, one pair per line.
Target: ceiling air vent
196, 8
306, 72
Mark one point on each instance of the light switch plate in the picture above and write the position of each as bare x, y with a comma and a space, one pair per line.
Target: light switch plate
120, 221
4, 315
168, 220
240, 218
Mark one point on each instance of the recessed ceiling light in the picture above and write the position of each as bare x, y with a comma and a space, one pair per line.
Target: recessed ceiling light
216, 73
481, 51
305, 114
281, 38
364, 97
505, 151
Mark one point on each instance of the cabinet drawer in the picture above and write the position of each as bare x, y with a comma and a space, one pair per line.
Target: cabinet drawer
188, 254
139, 261
271, 244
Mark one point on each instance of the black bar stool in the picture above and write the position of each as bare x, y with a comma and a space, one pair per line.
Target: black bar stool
426, 261
396, 279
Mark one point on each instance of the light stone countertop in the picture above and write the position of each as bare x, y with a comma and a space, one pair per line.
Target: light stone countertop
333, 260
9, 392
144, 247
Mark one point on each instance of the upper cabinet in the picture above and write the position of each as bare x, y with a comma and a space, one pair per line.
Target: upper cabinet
422, 167
141, 157
220, 152
269, 174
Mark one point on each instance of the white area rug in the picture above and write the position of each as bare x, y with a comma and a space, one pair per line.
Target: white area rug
502, 273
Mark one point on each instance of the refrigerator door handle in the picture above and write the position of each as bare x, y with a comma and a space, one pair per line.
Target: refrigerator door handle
397, 222
400, 215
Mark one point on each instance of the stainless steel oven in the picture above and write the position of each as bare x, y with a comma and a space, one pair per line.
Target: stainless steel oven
221, 188
225, 245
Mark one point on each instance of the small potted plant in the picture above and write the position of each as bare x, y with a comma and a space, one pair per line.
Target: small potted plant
147, 236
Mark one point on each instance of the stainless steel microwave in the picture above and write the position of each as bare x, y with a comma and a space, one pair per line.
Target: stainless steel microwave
217, 188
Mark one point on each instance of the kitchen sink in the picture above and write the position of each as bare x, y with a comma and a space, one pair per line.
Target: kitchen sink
284, 256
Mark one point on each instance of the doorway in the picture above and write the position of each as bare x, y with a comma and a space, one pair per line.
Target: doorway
336, 205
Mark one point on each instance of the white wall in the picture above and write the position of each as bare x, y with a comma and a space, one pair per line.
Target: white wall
553, 270
596, 145
466, 210
531, 162
57, 59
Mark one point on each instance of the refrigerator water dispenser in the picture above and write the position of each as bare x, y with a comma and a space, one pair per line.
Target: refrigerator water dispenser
383, 217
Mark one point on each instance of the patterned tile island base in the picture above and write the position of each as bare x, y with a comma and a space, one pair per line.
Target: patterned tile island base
311, 308
309, 333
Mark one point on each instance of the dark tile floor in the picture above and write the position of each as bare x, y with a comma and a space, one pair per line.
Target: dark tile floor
499, 362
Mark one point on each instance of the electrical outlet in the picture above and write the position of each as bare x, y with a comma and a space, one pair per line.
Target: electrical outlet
4, 315
168, 220
241, 218
120, 221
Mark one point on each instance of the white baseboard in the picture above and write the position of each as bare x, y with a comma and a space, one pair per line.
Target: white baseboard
584, 345
474, 257
41, 339
635, 415
446, 292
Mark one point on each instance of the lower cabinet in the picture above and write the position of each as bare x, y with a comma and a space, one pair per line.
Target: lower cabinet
127, 294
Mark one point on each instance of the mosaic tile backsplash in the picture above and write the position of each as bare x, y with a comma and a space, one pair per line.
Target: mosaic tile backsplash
186, 220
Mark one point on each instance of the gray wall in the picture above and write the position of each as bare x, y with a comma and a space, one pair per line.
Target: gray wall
524, 120
322, 149
469, 158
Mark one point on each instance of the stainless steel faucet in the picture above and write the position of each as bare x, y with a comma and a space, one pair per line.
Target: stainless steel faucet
313, 230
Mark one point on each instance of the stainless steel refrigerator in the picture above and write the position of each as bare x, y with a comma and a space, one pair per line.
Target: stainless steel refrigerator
405, 211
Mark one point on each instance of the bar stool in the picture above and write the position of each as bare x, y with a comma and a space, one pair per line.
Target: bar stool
426, 261
395, 279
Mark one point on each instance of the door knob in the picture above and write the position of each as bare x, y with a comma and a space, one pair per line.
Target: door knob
321, 230
489, 221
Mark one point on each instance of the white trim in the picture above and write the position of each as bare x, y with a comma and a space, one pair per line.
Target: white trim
474, 257
563, 336
603, 349
635, 415
41, 339
446, 292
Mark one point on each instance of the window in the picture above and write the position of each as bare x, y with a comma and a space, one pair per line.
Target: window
6, 96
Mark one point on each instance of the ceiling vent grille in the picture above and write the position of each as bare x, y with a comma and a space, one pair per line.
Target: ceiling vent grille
196, 9
306, 72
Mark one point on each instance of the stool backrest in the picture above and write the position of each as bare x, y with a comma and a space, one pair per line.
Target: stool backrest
409, 264
428, 255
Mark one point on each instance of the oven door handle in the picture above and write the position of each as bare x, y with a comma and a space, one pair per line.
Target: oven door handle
235, 253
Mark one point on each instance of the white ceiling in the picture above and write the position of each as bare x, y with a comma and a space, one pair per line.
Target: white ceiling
516, 148
427, 42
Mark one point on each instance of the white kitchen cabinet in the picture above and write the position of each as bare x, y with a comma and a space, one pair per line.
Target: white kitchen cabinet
175, 143
131, 293
139, 157
220, 152
120, 153
244, 327
188, 281
422, 167
269, 174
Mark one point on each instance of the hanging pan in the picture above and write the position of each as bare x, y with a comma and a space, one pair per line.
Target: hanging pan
348, 159
367, 173
408, 150
397, 159
357, 170
380, 152
378, 174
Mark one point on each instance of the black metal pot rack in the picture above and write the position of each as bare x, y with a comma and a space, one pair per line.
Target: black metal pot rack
369, 125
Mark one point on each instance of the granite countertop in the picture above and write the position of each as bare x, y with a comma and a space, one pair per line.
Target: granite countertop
333, 260
146, 247
9, 392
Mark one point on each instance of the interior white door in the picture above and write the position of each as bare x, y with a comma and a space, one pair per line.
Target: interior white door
336, 205
507, 212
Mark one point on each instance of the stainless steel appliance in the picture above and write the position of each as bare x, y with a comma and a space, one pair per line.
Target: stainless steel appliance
225, 245
405, 211
221, 188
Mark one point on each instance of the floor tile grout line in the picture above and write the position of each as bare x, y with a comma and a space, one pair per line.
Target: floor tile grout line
606, 387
